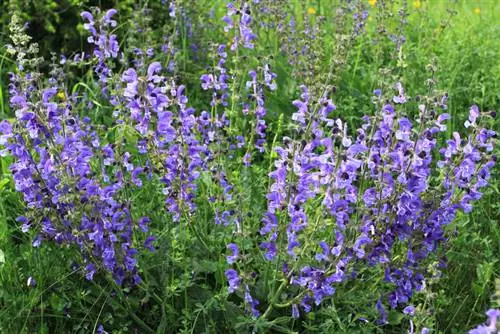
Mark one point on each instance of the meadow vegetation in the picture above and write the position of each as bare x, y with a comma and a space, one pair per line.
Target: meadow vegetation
260, 166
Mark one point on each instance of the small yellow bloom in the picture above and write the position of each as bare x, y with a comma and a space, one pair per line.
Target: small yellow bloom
372, 2
311, 11
417, 4
61, 95
477, 10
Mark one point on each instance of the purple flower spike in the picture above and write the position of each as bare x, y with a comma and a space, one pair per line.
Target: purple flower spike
234, 256
473, 115
232, 279
153, 68
87, 16
107, 18
409, 310
251, 302
148, 243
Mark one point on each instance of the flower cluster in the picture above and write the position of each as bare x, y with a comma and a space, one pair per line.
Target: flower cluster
340, 205
217, 81
106, 43
257, 99
239, 20
166, 137
71, 180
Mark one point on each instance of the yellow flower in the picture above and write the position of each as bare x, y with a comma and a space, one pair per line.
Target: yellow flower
477, 10
417, 4
61, 95
372, 2
311, 11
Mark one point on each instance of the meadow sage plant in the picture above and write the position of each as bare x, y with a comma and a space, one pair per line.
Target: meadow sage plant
336, 207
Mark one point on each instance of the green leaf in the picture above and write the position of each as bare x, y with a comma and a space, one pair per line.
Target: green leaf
3, 183
395, 317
